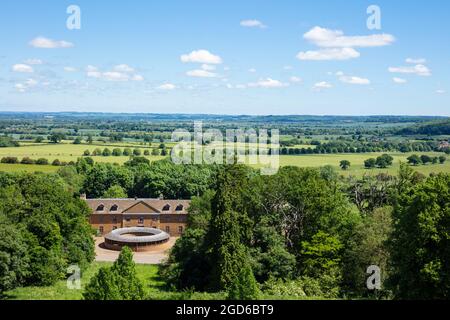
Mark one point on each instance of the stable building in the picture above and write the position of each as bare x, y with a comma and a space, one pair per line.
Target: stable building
107, 215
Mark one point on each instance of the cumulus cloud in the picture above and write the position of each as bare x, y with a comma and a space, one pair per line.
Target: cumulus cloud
399, 80
118, 73
327, 38
34, 61
123, 68
45, 43
440, 91
253, 24
419, 69
201, 56
354, 80
295, 79
167, 87
416, 61
22, 68
200, 73
268, 83
252, 70
70, 69
329, 54
23, 87
137, 77
319, 86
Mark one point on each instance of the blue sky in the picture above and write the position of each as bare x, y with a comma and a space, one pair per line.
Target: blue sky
226, 57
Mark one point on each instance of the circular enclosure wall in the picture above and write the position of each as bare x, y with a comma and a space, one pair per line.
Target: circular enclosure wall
137, 239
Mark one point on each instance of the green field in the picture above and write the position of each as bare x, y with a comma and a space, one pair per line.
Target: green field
68, 152
27, 168
357, 162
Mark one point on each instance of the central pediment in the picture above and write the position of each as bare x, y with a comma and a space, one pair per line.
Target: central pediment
141, 207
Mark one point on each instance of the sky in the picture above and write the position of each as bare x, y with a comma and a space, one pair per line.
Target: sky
254, 57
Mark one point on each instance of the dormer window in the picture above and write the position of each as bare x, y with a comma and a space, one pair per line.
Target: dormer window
179, 208
114, 207
101, 208
166, 207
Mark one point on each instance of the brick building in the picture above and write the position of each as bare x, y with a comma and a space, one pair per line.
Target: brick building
110, 214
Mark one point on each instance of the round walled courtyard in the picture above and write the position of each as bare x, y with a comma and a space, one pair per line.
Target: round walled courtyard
155, 253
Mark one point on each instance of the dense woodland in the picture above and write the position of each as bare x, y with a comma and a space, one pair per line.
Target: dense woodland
299, 233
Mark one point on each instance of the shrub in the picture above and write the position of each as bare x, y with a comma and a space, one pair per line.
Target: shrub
106, 152
27, 160
56, 162
117, 152
10, 160
42, 161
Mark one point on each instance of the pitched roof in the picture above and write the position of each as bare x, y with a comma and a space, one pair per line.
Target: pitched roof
125, 204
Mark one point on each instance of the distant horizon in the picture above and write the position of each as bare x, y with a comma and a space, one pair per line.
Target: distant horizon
227, 115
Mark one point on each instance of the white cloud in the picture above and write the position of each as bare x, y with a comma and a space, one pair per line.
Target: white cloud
418, 69
329, 54
167, 86
295, 79
416, 61
253, 24
23, 87
327, 38
123, 68
199, 73
322, 85
22, 68
201, 56
252, 70
354, 80
268, 83
440, 91
33, 61
137, 77
70, 69
399, 80
45, 43
91, 68
125, 73
208, 67
115, 76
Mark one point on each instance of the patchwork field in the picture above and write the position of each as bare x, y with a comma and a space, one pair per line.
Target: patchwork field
70, 152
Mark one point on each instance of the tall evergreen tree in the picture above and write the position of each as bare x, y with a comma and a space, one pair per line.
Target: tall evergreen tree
228, 224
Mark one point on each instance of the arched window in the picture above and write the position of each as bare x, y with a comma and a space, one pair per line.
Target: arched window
115, 207
179, 208
166, 207
101, 208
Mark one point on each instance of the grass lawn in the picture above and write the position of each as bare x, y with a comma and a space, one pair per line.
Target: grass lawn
59, 291
153, 286
357, 162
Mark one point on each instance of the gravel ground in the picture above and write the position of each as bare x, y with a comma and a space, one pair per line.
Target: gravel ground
156, 256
